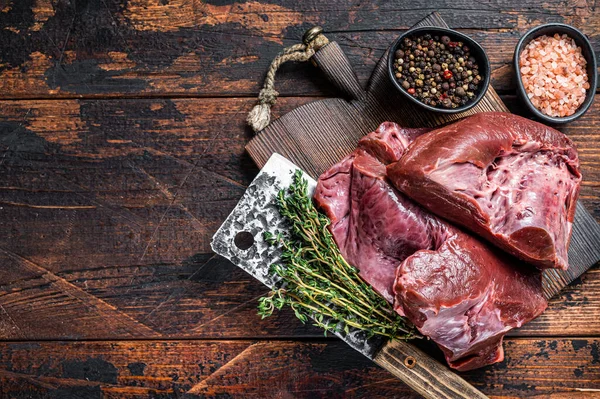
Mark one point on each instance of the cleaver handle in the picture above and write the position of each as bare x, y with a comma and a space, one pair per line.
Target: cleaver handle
424, 374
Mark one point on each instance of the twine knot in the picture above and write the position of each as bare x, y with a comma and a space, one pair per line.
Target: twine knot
260, 116
268, 96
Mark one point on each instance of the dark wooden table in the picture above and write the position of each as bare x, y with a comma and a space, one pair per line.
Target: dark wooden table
122, 150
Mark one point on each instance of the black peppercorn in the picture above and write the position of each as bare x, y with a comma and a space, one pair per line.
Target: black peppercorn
436, 73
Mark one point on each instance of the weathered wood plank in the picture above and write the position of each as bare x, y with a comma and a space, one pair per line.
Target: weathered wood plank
179, 47
207, 298
107, 208
557, 368
106, 137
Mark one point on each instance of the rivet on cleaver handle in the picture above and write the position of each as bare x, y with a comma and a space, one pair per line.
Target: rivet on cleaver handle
256, 213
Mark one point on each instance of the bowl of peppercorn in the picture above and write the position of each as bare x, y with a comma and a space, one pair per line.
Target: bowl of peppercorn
439, 69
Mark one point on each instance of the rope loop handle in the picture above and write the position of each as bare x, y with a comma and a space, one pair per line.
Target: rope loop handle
260, 116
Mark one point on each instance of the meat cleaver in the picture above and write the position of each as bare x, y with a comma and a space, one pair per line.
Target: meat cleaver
255, 214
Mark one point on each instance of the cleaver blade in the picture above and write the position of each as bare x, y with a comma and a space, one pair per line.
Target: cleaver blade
256, 213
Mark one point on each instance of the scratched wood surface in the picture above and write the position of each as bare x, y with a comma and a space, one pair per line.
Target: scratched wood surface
121, 152
223, 47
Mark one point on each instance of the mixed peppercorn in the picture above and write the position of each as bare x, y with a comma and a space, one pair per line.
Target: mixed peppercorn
437, 71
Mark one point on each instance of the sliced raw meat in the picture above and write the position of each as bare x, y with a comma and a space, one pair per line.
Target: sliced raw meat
465, 296
513, 181
361, 204
454, 288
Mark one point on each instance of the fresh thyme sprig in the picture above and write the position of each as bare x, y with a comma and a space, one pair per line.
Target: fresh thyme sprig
317, 281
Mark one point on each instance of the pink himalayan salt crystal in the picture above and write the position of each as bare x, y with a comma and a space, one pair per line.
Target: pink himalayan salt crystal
554, 75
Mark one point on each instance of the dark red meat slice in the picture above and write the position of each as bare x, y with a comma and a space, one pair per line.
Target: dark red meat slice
465, 296
455, 289
360, 203
511, 180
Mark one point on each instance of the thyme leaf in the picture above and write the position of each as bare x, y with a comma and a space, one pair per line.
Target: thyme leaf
317, 281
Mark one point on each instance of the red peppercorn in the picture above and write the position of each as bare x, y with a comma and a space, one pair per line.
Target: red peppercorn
452, 44
411, 90
447, 74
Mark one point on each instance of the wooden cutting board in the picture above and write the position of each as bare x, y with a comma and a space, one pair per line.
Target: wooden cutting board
317, 135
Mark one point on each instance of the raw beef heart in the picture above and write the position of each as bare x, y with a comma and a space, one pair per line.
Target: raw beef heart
374, 227
457, 290
513, 181
465, 296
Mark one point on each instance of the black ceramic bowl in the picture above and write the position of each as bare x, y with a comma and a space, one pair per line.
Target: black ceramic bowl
476, 51
587, 51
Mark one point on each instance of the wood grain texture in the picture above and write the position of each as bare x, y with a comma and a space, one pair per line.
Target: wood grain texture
180, 47
534, 368
107, 206
424, 374
95, 201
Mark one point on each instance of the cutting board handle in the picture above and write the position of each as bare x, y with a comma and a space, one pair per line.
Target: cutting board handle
338, 70
324, 54
424, 374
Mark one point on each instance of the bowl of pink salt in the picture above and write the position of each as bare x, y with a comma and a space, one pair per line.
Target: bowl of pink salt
556, 72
